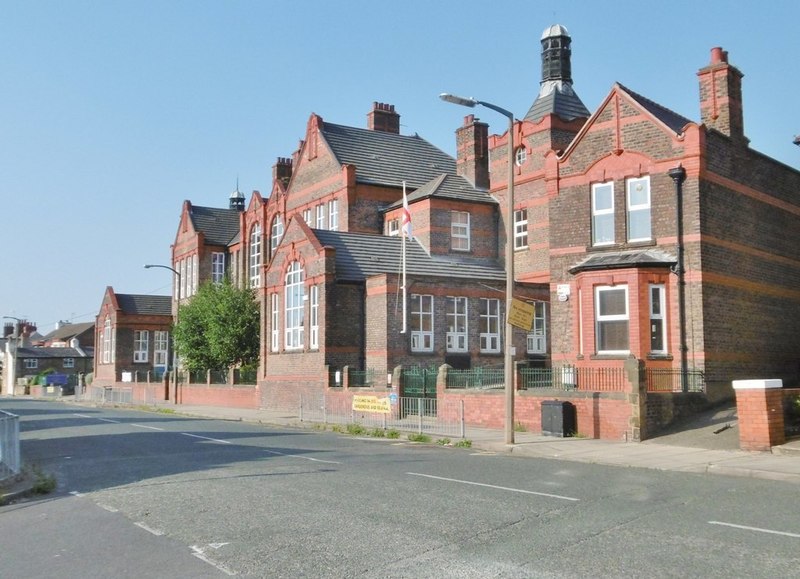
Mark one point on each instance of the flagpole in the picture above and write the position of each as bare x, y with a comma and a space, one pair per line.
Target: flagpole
403, 258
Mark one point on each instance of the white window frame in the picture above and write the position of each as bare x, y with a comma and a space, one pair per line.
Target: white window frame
537, 337
31, 363
195, 273
141, 346
276, 235
320, 214
275, 328
459, 231
308, 216
313, 318
600, 217
182, 269
658, 315
393, 227
68, 363
520, 229
639, 209
294, 307
107, 341
520, 156
601, 318
217, 267
490, 326
457, 316
160, 347
421, 317
255, 256
333, 215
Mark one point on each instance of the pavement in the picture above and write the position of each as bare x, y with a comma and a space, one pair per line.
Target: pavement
708, 443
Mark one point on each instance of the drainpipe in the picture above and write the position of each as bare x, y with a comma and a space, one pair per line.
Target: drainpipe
678, 175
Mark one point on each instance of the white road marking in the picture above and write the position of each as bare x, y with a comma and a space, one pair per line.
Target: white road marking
199, 552
109, 420
155, 532
109, 508
301, 456
146, 426
206, 438
757, 529
477, 484
83, 415
76, 494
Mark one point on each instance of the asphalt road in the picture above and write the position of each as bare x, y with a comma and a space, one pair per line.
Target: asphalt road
154, 495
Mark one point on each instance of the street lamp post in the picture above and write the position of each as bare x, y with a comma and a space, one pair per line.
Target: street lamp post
177, 308
509, 340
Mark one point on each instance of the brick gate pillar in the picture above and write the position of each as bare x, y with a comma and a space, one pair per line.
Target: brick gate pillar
759, 405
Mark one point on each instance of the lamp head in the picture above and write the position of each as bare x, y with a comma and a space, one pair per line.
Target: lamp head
457, 100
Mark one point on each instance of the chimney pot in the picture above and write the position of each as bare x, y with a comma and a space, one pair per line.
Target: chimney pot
718, 55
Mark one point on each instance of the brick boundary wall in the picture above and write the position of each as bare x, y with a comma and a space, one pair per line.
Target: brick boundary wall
759, 405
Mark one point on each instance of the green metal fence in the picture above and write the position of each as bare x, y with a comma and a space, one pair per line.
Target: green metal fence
478, 378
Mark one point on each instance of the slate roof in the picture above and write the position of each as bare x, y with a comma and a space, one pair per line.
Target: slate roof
219, 226
624, 259
670, 118
558, 98
361, 255
67, 331
448, 187
145, 304
52, 353
384, 158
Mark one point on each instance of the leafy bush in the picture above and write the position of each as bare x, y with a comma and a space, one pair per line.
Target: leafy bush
378, 433
355, 429
463, 444
443, 442
417, 437
392, 433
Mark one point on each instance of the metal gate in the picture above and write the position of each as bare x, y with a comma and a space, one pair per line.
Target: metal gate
420, 384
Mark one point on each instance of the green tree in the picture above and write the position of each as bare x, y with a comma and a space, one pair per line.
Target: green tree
218, 329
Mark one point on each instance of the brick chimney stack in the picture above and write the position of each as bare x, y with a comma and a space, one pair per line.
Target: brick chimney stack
721, 96
383, 118
282, 170
472, 145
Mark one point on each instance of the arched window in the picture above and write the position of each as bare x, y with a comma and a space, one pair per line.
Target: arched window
107, 341
255, 256
294, 292
277, 235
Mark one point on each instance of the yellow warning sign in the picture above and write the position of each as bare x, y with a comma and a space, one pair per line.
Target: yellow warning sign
371, 404
521, 314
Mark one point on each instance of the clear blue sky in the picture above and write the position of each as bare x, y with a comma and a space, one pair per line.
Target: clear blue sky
112, 113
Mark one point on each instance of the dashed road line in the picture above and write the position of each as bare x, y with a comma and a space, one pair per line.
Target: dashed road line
206, 438
82, 415
146, 426
199, 552
756, 529
76, 494
109, 420
301, 456
151, 530
108, 508
477, 484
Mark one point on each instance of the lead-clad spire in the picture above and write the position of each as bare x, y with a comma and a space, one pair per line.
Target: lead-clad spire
556, 95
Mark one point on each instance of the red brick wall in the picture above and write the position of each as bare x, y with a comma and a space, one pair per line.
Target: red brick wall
760, 413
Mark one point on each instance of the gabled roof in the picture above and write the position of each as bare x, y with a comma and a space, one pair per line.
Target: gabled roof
624, 259
449, 187
361, 255
670, 118
383, 158
145, 304
67, 331
219, 226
